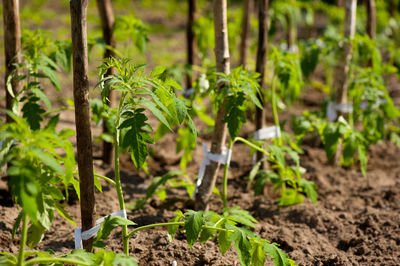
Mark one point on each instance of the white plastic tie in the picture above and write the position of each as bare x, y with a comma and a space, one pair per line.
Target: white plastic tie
79, 235
188, 92
333, 108
209, 157
267, 133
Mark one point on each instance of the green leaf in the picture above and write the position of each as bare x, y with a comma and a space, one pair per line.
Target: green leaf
240, 216
50, 73
224, 243
278, 256
235, 115
33, 113
257, 253
173, 228
362, 156
242, 246
309, 188
153, 108
63, 213
110, 222
193, 225
124, 260
16, 224
82, 256
181, 111
331, 137
136, 138
349, 149
290, 197
40, 94
46, 159
35, 235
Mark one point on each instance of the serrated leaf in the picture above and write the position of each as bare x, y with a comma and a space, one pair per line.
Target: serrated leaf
309, 188
110, 222
173, 228
331, 138
278, 256
240, 216
50, 73
40, 94
124, 260
35, 234
156, 112
181, 110
16, 224
48, 160
82, 256
235, 115
242, 246
257, 254
224, 243
193, 225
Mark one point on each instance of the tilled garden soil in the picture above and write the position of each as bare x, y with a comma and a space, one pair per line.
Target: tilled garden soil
355, 222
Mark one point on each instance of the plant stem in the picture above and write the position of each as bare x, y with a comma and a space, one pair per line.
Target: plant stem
245, 141
173, 223
118, 187
274, 107
225, 179
22, 242
109, 180
152, 226
54, 260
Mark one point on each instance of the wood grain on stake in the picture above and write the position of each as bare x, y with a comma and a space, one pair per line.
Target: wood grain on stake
371, 18
245, 40
12, 45
191, 42
261, 63
219, 135
107, 24
82, 118
344, 65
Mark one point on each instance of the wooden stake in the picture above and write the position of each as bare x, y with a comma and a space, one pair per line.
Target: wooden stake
245, 40
261, 63
219, 135
82, 117
343, 69
344, 65
371, 18
107, 24
12, 46
191, 42
290, 32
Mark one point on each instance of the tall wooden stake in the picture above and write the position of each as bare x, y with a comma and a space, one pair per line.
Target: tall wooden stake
219, 135
244, 44
291, 32
191, 42
261, 62
371, 18
12, 46
343, 69
82, 118
107, 25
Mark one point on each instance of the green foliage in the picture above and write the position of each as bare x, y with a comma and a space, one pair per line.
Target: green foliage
285, 178
36, 177
109, 223
229, 228
287, 70
153, 92
159, 187
134, 28
240, 89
